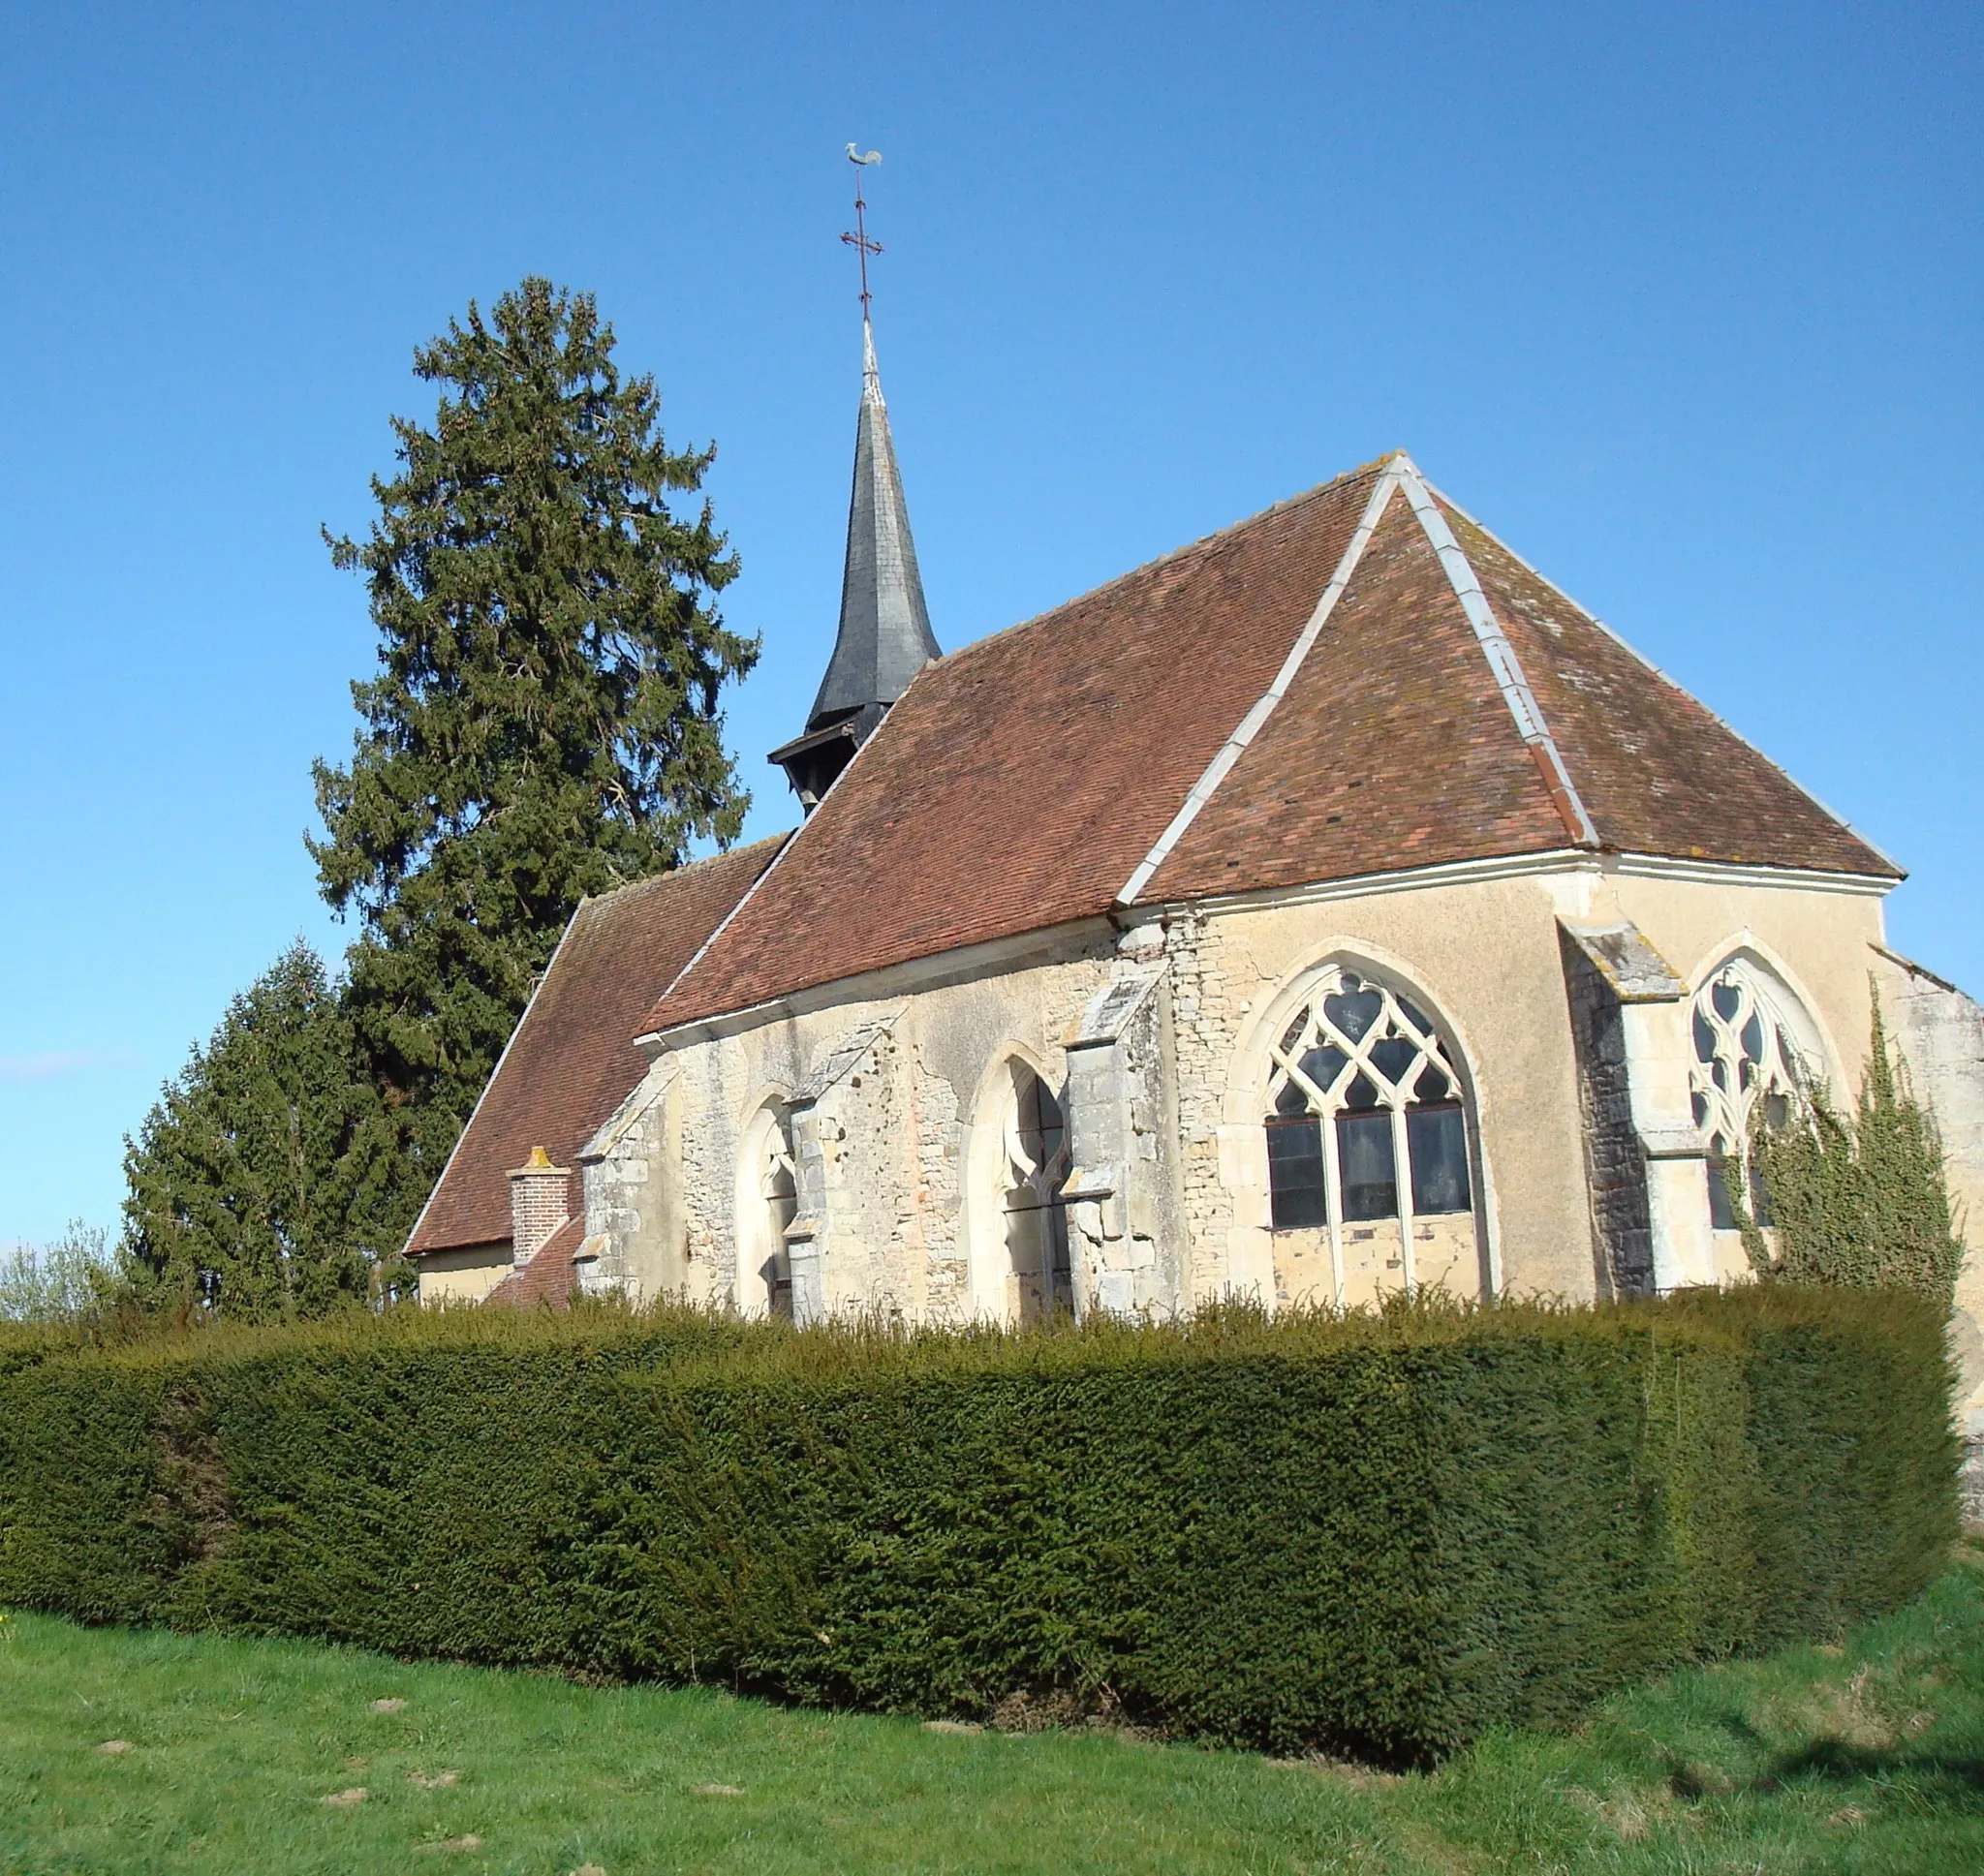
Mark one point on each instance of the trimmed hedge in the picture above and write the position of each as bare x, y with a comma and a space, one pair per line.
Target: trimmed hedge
1378, 1534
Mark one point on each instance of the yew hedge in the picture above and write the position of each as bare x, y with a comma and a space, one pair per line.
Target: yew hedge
1378, 1535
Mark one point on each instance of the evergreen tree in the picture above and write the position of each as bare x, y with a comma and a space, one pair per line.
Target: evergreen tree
1858, 1199
242, 1197
544, 724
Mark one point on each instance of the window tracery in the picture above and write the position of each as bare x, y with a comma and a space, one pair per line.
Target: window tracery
1366, 1117
1745, 1059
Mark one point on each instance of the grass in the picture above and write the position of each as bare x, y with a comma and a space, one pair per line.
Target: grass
1862, 1758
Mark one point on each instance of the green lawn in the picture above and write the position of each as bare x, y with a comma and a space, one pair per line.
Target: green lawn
1870, 1758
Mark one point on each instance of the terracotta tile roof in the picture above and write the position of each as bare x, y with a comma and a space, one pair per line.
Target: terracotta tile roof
1659, 772
572, 1060
1025, 781
1017, 782
1393, 747
549, 1277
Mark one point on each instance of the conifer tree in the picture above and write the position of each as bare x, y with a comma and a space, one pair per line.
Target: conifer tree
544, 724
1858, 1199
242, 1198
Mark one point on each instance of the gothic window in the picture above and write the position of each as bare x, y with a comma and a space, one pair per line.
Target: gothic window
1365, 1115
1745, 1063
767, 1202
1033, 1167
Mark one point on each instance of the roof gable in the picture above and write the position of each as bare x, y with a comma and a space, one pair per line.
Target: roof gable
1357, 682
1660, 770
1392, 747
1017, 782
573, 1060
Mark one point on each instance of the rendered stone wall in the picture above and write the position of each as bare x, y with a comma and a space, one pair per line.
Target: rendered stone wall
633, 1199
1940, 1033
463, 1276
898, 1150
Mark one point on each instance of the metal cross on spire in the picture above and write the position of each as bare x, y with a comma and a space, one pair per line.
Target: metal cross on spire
858, 240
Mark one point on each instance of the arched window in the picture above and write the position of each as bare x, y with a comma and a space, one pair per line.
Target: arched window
1034, 1145
1016, 1228
767, 1202
1747, 1060
1366, 1119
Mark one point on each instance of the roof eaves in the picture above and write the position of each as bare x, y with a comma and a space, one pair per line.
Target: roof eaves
1634, 652
1503, 662
1250, 725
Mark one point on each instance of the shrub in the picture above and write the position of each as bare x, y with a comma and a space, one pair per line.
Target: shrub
1380, 1534
1857, 1199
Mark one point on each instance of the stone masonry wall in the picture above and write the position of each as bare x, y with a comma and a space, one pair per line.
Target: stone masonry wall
1615, 1160
1207, 1008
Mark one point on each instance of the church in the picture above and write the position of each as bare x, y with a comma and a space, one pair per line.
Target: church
1329, 909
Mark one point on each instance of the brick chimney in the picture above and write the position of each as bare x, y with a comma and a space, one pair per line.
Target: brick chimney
539, 1204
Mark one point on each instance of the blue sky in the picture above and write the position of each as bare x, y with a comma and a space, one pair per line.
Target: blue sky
1683, 301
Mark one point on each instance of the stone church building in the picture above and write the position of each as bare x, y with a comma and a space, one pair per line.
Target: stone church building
1329, 908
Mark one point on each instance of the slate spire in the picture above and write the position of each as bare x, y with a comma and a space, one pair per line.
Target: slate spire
884, 634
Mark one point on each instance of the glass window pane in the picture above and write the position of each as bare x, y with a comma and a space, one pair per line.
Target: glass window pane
1704, 1038
1323, 1065
1433, 1084
1370, 1175
1294, 1175
1760, 1200
1721, 1214
1353, 1009
1437, 1139
1393, 1058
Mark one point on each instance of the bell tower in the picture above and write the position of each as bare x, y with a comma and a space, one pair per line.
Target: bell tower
884, 634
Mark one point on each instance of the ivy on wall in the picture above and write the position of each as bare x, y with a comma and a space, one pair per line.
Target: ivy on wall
1858, 1199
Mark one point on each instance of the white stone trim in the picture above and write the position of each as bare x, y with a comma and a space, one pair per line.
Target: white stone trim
1503, 662
651, 1088
981, 1142
1734, 873
963, 961
1452, 872
929, 972
1550, 862
1814, 1036
1250, 725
